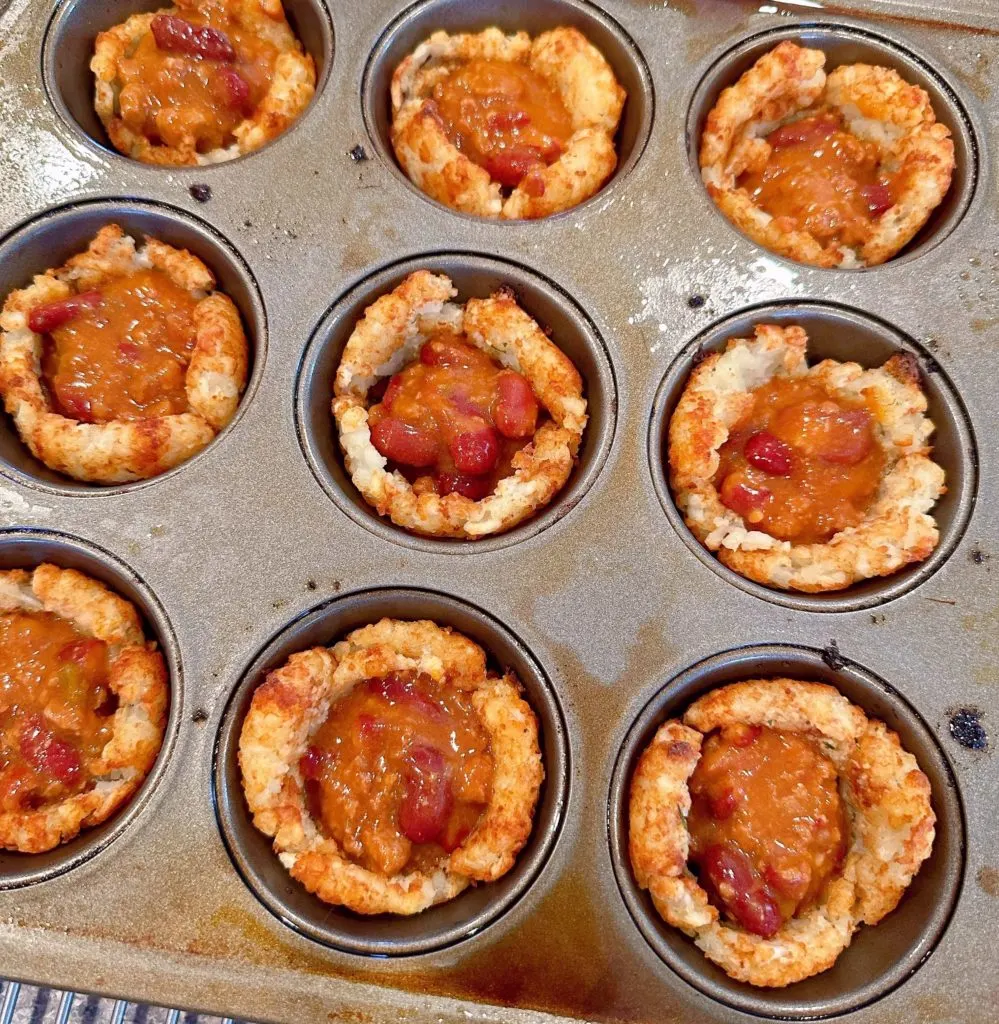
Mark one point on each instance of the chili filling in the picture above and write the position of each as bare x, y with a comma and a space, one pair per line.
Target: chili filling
120, 353
822, 179
801, 464
195, 76
55, 709
767, 824
399, 773
505, 117
453, 420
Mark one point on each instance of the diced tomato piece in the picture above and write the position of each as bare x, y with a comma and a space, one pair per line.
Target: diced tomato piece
46, 318
848, 438
476, 452
46, 753
769, 453
743, 498
878, 198
508, 166
235, 89
744, 735
449, 353
730, 874
179, 36
427, 795
403, 443
129, 351
398, 690
310, 764
392, 391
516, 412
475, 488
76, 407
804, 132
724, 804
507, 120
791, 882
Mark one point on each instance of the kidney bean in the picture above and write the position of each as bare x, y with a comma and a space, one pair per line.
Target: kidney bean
731, 875
398, 690
516, 411
507, 120
475, 488
724, 804
76, 407
46, 318
847, 438
235, 89
508, 166
311, 763
769, 453
878, 198
804, 132
427, 795
179, 36
449, 353
476, 452
743, 498
403, 443
47, 753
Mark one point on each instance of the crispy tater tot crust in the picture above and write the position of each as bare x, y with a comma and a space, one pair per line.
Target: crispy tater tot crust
877, 104
573, 66
892, 826
293, 702
292, 86
136, 675
897, 529
123, 450
388, 336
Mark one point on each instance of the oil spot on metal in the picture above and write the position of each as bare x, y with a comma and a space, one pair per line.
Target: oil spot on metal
358, 154
988, 880
16, 510
966, 728
201, 192
979, 557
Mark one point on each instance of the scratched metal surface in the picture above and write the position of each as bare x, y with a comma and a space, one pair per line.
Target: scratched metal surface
609, 599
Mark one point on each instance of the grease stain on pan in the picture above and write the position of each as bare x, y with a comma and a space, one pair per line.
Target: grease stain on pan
988, 880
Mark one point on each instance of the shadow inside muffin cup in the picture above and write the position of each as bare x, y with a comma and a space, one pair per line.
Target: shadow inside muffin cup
75, 25
473, 276
847, 44
50, 239
27, 549
880, 957
845, 335
477, 906
421, 20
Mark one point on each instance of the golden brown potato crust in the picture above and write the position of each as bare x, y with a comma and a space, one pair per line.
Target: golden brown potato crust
293, 702
291, 90
897, 529
888, 804
388, 336
877, 105
123, 450
136, 675
571, 64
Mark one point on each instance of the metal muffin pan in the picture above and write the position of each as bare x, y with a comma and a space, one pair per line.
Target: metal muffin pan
262, 534
879, 958
25, 549
475, 908
473, 276
846, 335
845, 44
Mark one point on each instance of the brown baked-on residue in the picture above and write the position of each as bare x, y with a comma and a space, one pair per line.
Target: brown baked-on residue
886, 124
389, 336
104, 779
581, 82
201, 81
294, 701
120, 450
895, 529
891, 826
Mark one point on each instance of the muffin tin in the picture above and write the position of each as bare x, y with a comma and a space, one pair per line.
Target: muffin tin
611, 613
